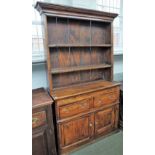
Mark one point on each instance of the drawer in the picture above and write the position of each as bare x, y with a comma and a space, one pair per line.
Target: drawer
106, 98
75, 108
110, 90
38, 119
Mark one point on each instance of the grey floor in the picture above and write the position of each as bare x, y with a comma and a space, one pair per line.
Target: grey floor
110, 145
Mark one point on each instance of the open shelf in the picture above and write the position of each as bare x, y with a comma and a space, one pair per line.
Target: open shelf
79, 68
79, 51
79, 45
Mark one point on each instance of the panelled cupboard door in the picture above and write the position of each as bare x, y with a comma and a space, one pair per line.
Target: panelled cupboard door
39, 143
104, 121
77, 131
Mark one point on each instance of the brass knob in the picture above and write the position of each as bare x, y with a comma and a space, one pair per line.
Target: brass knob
90, 124
100, 101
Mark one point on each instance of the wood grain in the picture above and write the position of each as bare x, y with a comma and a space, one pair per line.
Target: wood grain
79, 48
75, 108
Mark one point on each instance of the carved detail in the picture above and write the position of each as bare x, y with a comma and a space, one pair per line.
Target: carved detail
38, 119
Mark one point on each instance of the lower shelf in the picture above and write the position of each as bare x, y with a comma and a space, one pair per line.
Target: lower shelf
79, 68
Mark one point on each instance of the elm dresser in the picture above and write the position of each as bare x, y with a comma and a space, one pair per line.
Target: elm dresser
43, 137
79, 50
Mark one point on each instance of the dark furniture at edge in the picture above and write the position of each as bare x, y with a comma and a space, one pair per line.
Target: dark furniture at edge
121, 106
43, 137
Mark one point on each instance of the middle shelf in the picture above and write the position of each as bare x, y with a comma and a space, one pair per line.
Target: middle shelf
79, 45
79, 68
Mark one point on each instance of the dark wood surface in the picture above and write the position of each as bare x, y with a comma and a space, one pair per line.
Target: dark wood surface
79, 68
43, 137
79, 50
40, 98
121, 106
81, 118
82, 89
63, 11
79, 45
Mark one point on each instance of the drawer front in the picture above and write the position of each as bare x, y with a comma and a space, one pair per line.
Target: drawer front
75, 108
38, 119
106, 98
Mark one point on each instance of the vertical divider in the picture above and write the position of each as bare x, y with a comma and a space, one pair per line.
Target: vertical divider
69, 48
47, 53
68, 41
57, 50
90, 49
112, 50
68, 28
56, 22
56, 40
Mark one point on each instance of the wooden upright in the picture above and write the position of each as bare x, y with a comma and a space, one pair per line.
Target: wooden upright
79, 49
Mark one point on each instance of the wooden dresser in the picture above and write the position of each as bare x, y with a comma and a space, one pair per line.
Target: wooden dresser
79, 49
43, 137
85, 112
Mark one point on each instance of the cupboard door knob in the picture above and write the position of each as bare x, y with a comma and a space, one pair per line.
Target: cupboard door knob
66, 125
51, 132
90, 124
100, 101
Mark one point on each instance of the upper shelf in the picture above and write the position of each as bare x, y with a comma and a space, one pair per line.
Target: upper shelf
79, 45
78, 68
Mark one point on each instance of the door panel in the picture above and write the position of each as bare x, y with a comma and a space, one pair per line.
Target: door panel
76, 131
40, 144
39, 119
104, 121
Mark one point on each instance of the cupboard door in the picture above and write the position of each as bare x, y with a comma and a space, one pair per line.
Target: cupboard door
76, 131
42, 142
104, 121
43, 138
39, 143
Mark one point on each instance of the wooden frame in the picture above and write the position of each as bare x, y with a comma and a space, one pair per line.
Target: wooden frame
79, 50
78, 44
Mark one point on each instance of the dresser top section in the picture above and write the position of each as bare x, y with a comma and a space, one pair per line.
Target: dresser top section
83, 88
71, 12
40, 98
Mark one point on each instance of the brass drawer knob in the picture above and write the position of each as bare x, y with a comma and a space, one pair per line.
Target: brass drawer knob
96, 123
100, 101
90, 124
